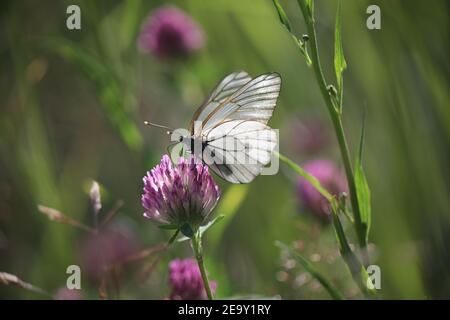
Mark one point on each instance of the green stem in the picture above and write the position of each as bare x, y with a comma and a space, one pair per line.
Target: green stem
308, 177
355, 267
198, 251
337, 122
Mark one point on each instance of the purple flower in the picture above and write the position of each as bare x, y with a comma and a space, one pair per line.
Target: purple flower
186, 281
179, 195
109, 248
330, 177
68, 294
170, 33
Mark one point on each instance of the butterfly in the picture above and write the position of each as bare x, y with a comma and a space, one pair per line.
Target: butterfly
229, 131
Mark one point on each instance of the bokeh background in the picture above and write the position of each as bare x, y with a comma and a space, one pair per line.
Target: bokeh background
72, 109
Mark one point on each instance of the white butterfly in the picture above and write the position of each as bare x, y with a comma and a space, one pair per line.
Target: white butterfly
229, 132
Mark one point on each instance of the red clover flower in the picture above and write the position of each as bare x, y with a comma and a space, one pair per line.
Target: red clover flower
330, 177
181, 196
186, 280
170, 33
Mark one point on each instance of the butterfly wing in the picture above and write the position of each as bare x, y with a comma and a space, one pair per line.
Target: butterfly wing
228, 86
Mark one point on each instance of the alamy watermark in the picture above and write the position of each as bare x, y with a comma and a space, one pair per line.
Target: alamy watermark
73, 21
374, 20
374, 277
73, 281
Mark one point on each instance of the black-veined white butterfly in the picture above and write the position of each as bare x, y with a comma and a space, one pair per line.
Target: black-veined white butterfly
229, 132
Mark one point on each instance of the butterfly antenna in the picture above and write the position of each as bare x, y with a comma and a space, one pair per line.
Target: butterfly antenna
148, 123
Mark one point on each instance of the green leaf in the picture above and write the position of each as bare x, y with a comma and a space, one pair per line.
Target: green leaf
310, 5
362, 188
339, 61
187, 230
334, 293
173, 237
282, 15
202, 229
307, 7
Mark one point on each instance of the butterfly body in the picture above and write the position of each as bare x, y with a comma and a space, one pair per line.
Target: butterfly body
194, 145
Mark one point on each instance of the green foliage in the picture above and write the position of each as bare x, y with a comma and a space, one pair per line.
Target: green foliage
339, 60
282, 15
130, 21
204, 228
301, 44
362, 188
106, 84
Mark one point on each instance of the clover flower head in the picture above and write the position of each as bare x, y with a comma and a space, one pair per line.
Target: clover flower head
170, 33
109, 248
64, 293
186, 280
180, 195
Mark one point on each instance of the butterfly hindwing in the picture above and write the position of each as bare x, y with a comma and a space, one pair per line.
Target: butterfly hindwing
237, 150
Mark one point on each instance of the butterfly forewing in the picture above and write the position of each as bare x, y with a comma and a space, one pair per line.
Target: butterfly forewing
253, 101
229, 85
237, 150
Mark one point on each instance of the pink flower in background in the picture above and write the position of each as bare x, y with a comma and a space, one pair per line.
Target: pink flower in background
68, 294
331, 179
186, 281
170, 33
98, 253
179, 194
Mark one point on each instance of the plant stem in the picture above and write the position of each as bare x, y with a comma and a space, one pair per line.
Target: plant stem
355, 267
198, 251
307, 176
8, 278
337, 122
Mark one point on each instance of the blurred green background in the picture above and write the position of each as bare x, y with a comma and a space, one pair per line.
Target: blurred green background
73, 105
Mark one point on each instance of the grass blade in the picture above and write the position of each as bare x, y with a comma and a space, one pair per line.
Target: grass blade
339, 60
362, 188
282, 15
